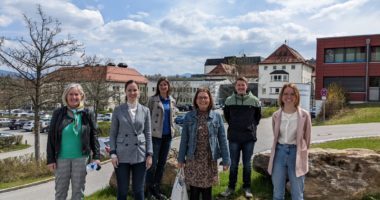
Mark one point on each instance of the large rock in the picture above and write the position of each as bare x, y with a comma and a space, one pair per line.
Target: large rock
169, 173
336, 174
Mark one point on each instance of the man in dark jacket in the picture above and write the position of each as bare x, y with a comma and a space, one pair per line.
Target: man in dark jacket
243, 113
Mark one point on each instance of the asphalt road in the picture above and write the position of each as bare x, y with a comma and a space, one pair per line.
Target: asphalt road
99, 180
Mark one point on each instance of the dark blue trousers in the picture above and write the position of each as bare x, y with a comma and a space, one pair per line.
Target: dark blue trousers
123, 172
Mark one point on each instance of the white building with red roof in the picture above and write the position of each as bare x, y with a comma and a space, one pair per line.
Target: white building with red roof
284, 65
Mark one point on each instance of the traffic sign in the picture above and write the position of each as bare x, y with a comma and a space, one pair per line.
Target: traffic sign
323, 92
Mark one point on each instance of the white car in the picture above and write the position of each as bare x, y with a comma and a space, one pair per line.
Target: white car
29, 126
4, 122
104, 145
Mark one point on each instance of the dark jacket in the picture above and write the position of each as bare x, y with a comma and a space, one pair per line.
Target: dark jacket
243, 114
89, 135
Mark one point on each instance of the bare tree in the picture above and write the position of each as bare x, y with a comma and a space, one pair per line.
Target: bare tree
181, 90
98, 89
36, 57
11, 96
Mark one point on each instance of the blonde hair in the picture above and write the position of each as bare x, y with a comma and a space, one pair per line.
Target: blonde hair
67, 90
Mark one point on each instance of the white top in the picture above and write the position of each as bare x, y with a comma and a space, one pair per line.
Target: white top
132, 108
288, 128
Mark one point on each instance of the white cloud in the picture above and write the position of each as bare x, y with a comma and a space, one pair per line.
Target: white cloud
139, 16
4, 20
337, 10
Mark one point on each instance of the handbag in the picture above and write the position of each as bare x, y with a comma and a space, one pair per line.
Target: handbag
179, 191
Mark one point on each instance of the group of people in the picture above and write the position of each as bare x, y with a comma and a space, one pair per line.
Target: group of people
140, 140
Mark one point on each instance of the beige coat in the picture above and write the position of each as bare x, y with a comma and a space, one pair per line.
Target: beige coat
303, 140
157, 115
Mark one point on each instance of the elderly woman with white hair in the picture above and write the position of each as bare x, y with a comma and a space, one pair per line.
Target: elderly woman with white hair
72, 140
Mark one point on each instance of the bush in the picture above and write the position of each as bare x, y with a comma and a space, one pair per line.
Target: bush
336, 100
22, 167
268, 111
18, 139
7, 141
104, 129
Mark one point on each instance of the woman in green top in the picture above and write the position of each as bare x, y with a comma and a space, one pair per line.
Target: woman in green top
71, 140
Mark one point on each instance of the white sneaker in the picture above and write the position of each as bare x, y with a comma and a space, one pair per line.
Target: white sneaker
248, 193
228, 192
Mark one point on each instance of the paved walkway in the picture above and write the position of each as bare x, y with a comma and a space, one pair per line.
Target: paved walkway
99, 180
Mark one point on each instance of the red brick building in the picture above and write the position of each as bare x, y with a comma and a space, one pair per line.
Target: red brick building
351, 61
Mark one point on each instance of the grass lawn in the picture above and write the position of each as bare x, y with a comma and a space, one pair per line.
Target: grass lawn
14, 148
353, 114
23, 182
372, 143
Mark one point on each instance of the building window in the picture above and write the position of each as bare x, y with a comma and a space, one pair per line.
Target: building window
153, 89
284, 67
279, 78
293, 67
285, 78
265, 67
350, 84
339, 55
274, 67
274, 90
350, 54
375, 54
264, 91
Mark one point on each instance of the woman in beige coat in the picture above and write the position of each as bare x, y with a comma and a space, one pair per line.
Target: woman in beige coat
289, 156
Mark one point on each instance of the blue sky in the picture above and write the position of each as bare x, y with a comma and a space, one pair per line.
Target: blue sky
175, 37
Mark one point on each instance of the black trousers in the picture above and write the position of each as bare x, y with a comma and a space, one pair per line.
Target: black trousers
197, 192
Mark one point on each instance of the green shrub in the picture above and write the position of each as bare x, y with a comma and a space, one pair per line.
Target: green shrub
104, 129
22, 167
7, 141
268, 111
18, 139
336, 100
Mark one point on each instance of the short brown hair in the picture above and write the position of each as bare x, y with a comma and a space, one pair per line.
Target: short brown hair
199, 90
241, 78
296, 93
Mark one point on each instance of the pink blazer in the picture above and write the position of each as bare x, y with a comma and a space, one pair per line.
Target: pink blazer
303, 140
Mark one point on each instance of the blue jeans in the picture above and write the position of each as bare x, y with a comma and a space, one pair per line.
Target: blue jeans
284, 165
123, 176
161, 147
247, 151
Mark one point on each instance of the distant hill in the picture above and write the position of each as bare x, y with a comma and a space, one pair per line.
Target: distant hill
7, 73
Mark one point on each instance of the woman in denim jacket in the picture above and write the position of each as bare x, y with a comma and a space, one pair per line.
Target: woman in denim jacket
203, 142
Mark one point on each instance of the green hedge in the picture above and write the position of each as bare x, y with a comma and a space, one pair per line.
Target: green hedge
104, 129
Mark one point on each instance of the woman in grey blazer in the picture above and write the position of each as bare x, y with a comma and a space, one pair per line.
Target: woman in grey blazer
131, 143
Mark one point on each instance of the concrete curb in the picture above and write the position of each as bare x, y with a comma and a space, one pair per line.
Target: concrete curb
37, 182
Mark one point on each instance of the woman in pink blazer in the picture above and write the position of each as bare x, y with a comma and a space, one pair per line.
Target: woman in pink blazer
289, 155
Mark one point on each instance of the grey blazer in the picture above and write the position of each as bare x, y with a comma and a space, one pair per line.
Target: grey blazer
131, 142
157, 115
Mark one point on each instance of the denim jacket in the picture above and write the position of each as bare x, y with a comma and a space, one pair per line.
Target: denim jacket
217, 137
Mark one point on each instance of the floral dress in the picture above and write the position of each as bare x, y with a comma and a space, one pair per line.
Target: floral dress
202, 171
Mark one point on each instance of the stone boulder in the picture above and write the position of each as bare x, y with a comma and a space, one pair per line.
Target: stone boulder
336, 174
169, 173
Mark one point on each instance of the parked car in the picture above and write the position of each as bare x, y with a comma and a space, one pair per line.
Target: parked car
313, 112
17, 124
4, 122
29, 126
2, 135
180, 118
187, 107
104, 145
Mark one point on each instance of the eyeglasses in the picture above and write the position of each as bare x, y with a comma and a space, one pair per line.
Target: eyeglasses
203, 98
